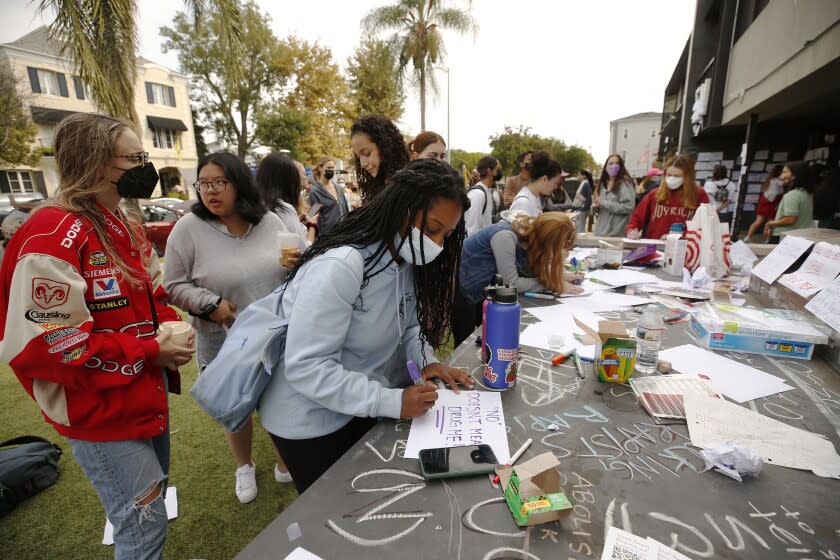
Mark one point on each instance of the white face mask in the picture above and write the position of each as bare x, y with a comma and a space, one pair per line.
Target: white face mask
430, 248
673, 182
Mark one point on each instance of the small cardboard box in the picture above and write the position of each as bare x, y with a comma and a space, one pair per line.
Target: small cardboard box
674, 259
615, 352
533, 492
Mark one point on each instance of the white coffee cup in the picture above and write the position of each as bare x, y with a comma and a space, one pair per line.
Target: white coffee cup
180, 332
289, 244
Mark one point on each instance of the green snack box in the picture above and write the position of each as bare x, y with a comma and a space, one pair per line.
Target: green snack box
533, 492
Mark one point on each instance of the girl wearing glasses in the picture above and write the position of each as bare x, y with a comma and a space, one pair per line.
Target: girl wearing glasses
384, 275
219, 259
80, 303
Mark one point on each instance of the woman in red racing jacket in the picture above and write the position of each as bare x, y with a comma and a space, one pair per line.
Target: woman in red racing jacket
80, 303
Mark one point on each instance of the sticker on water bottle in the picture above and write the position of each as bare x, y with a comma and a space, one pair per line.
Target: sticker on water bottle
652, 335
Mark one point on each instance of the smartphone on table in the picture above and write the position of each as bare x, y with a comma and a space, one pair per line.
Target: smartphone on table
313, 210
450, 462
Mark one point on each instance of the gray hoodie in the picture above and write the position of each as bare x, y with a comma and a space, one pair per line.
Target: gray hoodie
340, 341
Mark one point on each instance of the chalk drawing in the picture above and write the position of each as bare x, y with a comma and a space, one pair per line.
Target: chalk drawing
469, 523
398, 443
518, 552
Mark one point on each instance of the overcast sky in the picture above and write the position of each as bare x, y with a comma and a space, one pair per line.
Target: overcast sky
565, 68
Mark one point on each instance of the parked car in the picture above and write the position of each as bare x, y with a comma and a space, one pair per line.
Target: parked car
158, 221
19, 212
166, 201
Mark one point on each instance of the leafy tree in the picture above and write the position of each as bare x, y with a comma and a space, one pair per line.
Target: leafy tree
229, 94
462, 158
17, 131
316, 90
508, 145
198, 132
282, 128
375, 85
416, 39
101, 39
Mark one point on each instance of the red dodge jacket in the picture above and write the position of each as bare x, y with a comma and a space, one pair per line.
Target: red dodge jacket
78, 336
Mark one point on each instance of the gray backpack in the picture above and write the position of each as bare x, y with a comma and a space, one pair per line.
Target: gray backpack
28, 464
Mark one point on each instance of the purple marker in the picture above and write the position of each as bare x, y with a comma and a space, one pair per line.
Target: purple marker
414, 372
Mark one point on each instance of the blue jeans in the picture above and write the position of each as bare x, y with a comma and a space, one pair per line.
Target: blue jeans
123, 474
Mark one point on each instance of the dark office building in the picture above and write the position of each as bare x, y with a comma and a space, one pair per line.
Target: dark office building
758, 80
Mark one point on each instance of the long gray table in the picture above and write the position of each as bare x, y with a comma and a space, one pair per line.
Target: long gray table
618, 468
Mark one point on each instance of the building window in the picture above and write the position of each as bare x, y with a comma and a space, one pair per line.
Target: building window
158, 94
20, 182
49, 82
163, 139
625, 134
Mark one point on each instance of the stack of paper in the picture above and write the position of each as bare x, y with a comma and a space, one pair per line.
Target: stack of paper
739, 382
621, 545
712, 421
662, 395
620, 277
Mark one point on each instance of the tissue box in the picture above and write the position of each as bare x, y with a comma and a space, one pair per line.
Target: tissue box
533, 492
773, 332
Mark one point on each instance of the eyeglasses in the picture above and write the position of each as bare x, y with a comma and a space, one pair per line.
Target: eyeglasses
217, 185
140, 158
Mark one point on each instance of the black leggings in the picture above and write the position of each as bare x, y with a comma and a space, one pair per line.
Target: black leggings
308, 459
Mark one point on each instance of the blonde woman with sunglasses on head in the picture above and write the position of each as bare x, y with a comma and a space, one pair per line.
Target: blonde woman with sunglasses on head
80, 303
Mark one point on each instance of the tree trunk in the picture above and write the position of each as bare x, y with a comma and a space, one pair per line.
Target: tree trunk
422, 99
242, 144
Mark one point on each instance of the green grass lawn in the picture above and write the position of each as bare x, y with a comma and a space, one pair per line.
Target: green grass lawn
67, 520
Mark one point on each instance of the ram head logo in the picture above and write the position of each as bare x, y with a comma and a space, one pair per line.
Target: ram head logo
47, 293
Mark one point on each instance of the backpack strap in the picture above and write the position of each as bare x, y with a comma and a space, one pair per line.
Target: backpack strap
21, 440
477, 188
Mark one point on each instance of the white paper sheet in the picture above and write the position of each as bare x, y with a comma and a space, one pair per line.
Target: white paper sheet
644, 241
539, 335
607, 300
780, 258
620, 277
558, 317
712, 421
589, 287
621, 545
171, 503
826, 305
737, 381
301, 553
465, 418
819, 269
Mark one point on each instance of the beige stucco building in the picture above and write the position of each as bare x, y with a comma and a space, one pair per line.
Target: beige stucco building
636, 139
51, 90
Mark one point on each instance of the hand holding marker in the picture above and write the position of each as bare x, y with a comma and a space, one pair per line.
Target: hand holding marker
414, 372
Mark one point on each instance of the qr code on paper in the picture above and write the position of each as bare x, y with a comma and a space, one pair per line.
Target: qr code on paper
621, 553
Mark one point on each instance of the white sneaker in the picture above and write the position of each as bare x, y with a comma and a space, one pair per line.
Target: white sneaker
280, 476
246, 483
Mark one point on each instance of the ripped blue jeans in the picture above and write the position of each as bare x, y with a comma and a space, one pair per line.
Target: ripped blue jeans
124, 474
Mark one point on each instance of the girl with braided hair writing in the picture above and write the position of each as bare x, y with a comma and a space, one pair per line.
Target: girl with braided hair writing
384, 274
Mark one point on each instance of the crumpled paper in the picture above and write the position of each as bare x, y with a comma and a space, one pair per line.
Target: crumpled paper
732, 460
742, 258
697, 281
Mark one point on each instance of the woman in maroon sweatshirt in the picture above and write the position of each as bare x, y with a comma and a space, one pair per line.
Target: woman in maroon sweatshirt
674, 202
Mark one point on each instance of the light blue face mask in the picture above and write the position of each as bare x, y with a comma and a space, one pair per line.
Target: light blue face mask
430, 248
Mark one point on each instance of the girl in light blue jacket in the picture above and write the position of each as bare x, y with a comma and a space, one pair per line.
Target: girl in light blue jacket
383, 275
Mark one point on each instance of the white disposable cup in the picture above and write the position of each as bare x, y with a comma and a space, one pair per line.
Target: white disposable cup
180, 332
289, 244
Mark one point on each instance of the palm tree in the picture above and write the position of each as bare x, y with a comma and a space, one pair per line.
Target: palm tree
100, 38
417, 39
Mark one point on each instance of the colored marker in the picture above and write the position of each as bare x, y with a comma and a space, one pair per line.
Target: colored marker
519, 453
578, 365
561, 357
414, 372
537, 295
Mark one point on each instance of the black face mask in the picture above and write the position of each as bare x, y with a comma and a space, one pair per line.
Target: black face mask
329, 174
498, 175
137, 182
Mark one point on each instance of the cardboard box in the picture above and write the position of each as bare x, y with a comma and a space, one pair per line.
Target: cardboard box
772, 332
615, 351
533, 492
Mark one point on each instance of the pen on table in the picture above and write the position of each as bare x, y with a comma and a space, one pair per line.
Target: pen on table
515, 457
414, 372
561, 357
578, 365
538, 295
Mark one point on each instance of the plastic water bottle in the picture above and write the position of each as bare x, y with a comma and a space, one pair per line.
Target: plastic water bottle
648, 339
502, 342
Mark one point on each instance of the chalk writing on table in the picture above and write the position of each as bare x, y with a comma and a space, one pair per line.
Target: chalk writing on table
825, 399
779, 529
375, 512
